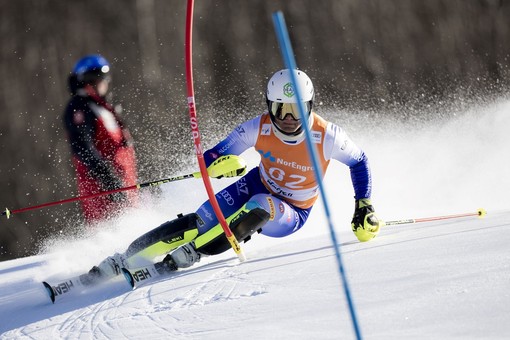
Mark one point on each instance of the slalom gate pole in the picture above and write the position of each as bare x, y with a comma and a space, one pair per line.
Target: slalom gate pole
480, 213
8, 212
196, 135
290, 63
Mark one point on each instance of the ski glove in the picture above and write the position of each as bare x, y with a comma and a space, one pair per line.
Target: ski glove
365, 223
227, 166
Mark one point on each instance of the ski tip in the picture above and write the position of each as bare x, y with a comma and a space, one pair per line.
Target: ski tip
129, 277
50, 291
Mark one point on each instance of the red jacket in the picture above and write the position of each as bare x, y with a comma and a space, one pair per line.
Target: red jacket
103, 153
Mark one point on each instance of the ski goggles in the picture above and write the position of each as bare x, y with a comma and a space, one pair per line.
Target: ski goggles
282, 110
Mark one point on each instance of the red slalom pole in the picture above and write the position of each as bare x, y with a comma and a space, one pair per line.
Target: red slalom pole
196, 135
480, 213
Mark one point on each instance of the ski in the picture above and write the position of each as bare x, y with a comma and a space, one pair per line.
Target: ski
65, 286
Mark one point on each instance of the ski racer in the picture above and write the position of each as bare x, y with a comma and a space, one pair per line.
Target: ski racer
101, 145
274, 198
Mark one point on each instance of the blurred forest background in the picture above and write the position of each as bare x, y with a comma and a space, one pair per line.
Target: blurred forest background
397, 57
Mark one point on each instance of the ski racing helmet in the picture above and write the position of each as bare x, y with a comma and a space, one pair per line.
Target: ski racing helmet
281, 97
91, 68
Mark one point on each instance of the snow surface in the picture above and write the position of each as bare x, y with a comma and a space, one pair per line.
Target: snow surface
432, 280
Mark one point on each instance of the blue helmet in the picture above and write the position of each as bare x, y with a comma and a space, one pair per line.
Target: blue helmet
91, 68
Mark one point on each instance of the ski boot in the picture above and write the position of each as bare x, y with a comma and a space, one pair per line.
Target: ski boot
111, 266
183, 257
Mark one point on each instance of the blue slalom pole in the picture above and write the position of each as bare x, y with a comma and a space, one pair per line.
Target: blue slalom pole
290, 63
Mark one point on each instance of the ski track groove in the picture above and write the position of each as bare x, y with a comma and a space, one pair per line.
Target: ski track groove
166, 299
104, 311
93, 319
223, 285
79, 322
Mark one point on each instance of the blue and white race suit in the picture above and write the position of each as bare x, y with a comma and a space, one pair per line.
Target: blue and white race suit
284, 183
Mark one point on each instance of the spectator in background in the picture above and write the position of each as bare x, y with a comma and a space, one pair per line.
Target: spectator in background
102, 147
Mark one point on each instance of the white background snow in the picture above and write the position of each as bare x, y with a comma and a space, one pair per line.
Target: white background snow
434, 280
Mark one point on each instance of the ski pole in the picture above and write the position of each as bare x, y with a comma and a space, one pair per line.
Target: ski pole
480, 213
8, 212
222, 167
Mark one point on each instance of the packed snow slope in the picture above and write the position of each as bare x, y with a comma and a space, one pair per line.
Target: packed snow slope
433, 280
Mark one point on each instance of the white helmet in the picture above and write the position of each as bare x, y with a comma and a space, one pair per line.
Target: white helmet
280, 89
281, 96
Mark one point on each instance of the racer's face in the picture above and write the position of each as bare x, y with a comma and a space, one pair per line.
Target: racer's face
288, 124
102, 87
